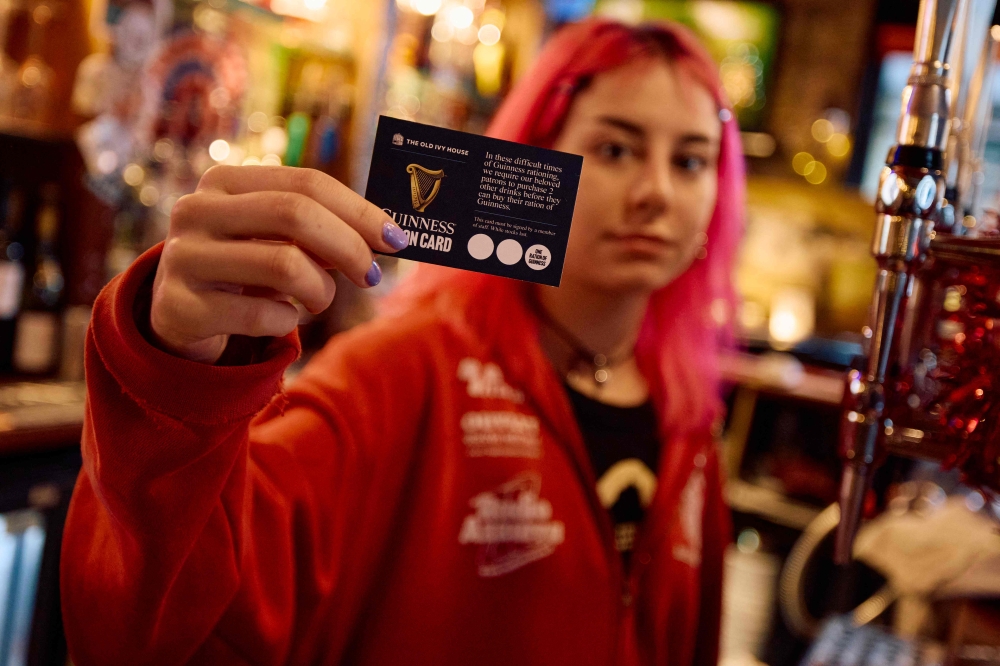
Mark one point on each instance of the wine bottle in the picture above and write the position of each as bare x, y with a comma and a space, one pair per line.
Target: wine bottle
11, 272
32, 96
37, 339
8, 68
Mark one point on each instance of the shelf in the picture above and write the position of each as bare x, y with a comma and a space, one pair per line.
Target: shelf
40, 415
783, 375
29, 129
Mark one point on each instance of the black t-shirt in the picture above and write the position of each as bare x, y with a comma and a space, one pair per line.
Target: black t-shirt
624, 448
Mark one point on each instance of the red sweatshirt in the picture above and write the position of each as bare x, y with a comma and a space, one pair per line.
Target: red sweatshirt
421, 494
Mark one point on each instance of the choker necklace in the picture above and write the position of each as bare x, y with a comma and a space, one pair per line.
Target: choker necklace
598, 365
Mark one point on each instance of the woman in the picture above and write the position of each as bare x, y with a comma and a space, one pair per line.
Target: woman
491, 473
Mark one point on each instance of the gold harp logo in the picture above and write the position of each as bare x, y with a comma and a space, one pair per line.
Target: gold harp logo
424, 185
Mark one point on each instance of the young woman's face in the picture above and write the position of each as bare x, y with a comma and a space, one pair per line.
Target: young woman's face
649, 135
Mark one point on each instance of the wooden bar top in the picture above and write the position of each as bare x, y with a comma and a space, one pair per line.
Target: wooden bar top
42, 415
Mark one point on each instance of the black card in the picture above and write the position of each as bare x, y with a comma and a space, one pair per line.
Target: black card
476, 203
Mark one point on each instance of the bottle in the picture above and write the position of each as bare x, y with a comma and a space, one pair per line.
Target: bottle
11, 272
37, 340
8, 68
32, 97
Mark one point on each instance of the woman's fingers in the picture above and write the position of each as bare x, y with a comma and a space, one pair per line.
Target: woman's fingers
375, 227
189, 316
251, 238
280, 268
278, 215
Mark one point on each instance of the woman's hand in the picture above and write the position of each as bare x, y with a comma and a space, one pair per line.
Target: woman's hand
248, 241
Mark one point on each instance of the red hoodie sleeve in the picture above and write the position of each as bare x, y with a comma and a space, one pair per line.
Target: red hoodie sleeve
194, 535
717, 534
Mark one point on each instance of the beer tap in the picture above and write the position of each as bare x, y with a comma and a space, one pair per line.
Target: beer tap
908, 206
971, 138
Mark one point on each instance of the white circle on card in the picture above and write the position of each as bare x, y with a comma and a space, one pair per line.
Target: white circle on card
480, 246
538, 257
509, 252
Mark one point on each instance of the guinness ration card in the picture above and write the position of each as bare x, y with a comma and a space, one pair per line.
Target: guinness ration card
476, 203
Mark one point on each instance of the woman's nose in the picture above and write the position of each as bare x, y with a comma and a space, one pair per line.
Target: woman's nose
654, 191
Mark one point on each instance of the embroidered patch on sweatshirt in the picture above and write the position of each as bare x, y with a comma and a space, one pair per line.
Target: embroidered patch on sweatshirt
512, 526
501, 434
485, 380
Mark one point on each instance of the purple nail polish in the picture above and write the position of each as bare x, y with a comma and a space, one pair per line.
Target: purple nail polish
374, 275
394, 236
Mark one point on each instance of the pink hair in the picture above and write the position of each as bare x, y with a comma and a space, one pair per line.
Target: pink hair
680, 341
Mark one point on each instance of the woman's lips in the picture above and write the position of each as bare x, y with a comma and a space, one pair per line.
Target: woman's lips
644, 244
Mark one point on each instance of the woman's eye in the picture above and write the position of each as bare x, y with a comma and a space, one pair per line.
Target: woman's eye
613, 151
691, 163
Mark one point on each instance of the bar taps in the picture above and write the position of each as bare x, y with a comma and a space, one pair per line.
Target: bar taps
970, 144
909, 206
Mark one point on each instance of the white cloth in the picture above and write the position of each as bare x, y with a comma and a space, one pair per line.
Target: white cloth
920, 554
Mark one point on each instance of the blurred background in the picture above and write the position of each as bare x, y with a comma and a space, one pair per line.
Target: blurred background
112, 109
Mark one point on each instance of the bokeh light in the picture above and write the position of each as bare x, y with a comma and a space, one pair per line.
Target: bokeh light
149, 195
163, 150
839, 145
443, 31
489, 34
822, 130
460, 16
107, 161
219, 150
800, 161
133, 175
274, 140
426, 7
815, 172
257, 122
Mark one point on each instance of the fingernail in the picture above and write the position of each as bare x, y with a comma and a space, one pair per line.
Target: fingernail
374, 275
394, 236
